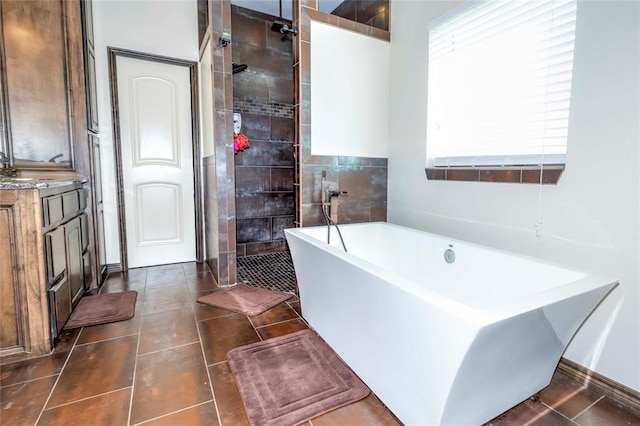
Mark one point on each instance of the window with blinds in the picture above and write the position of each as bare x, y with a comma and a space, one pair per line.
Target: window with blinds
500, 83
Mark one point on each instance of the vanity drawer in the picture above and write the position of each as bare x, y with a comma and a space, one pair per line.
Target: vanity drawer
71, 202
52, 209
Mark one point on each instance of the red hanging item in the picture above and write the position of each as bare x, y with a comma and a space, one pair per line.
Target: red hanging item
240, 143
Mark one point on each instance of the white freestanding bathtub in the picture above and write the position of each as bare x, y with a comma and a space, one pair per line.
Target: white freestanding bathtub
439, 343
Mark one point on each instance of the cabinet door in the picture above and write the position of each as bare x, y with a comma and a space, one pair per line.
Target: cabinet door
75, 273
87, 270
55, 253
90, 65
84, 228
37, 90
97, 208
60, 300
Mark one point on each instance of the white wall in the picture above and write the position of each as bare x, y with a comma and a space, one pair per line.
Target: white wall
591, 219
349, 79
167, 28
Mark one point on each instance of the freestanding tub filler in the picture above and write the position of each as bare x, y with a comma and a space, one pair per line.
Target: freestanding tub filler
443, 331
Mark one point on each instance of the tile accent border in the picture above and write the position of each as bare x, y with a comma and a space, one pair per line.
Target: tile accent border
550, 174
618, 393
252, 106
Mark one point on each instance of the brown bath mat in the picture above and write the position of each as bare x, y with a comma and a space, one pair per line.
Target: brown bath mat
293, 378
244, 299
102, 309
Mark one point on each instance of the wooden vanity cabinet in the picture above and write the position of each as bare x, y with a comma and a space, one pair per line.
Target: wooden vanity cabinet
24, 307
45, 264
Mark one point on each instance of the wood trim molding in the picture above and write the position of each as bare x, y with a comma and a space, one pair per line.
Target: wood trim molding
113, 53
615, 391
117, 154
5, 125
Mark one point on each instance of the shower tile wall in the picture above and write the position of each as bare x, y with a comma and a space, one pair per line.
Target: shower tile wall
365, 179
369, 12
219, 202
263, 94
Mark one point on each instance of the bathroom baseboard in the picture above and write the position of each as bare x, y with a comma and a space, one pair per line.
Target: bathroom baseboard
618, 393
112, 268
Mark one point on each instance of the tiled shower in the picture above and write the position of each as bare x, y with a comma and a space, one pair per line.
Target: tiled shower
264, 95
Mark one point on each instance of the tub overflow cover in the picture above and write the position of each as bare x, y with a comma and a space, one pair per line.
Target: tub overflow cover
449, 256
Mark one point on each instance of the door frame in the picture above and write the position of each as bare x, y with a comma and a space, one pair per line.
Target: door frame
113, 53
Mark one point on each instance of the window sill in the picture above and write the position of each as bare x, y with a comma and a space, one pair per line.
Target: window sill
530, 174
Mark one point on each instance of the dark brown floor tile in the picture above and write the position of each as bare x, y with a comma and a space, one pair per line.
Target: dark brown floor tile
281, 329
531, 413
279, 313
169, 380
228, 398
165, 299
21, 404
295, 305
200, 415
31, 369
119, 286
368, 411
136, 274
161, 278
567, 396
165, 330
606, 413
205, 312
96, 368
220, 335
112, 330
171, 267
66, 340
194, 267
108, 409
201, 281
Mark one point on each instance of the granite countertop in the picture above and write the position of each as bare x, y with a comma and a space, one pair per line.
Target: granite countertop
7, 182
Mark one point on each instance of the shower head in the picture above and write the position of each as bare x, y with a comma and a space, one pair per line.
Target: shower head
238, 67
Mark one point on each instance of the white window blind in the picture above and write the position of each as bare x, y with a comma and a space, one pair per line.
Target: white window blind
500, 83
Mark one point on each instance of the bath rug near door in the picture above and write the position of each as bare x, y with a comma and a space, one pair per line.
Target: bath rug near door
293, 378
102, 309
244, 299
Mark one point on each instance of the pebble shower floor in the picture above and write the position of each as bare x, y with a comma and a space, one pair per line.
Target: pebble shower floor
273, 271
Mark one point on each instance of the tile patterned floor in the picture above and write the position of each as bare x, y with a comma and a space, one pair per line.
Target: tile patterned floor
167, 366
273, 271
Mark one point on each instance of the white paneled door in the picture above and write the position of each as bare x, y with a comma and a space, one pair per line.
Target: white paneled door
154, 108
